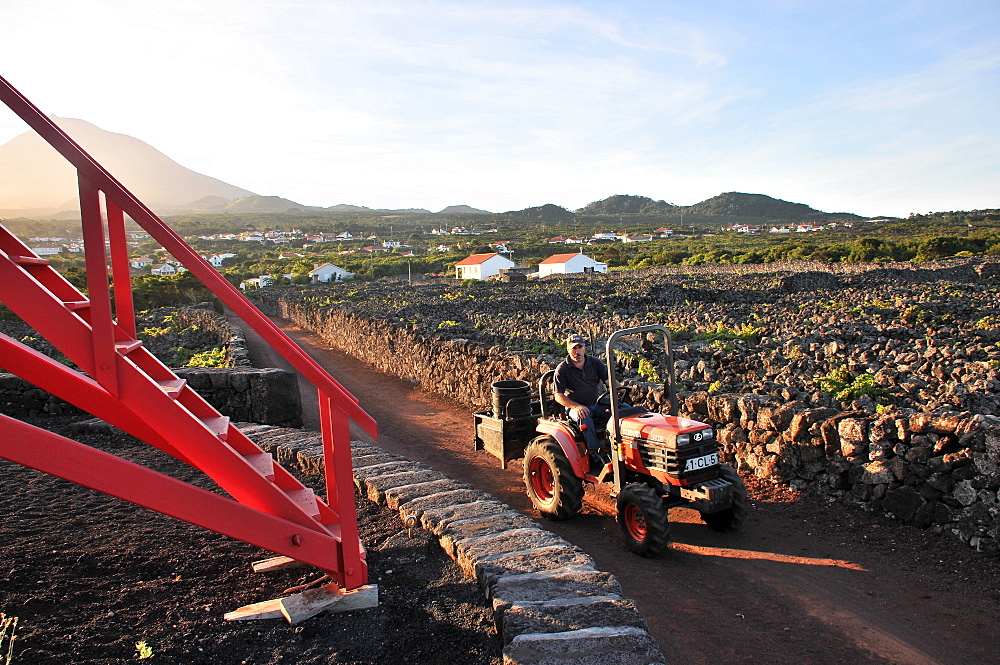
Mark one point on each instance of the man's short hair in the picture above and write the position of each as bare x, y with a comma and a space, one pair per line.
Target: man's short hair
573, 340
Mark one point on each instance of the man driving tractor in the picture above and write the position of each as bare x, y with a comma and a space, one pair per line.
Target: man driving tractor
658, 460
578, 381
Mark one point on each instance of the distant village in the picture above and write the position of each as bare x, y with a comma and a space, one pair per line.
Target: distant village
478, 266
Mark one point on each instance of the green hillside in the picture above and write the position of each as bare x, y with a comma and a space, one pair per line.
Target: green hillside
621, 204
760, 206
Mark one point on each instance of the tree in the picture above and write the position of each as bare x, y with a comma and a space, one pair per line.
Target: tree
938, 247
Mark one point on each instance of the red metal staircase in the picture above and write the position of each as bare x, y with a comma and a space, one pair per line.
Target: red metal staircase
125, 385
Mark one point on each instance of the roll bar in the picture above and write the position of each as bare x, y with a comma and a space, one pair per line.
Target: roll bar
671, 385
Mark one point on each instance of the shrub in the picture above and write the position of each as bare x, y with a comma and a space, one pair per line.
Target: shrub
211, 358
846, 388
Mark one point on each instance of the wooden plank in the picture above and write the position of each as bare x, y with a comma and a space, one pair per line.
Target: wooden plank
276, 563
269, 609
301, 606
329, 598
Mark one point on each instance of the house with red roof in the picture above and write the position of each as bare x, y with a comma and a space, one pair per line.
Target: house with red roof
565, 264
482, 266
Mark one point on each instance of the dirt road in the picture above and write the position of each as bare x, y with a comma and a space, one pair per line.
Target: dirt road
803, 582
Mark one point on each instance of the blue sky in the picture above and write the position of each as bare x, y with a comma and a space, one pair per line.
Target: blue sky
877, 108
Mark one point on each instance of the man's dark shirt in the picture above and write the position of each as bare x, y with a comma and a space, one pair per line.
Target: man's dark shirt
582, 385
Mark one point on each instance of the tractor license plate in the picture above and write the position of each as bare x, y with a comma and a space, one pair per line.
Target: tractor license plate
702, 462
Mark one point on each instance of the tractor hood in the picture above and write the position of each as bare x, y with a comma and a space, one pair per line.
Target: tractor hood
658, 428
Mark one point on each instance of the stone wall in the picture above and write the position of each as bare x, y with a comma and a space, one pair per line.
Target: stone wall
268, 396
937, 472
20, 399
931, 471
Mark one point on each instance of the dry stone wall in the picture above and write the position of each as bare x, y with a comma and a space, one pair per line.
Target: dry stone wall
937, 472
928, 456
269, 396
241, 392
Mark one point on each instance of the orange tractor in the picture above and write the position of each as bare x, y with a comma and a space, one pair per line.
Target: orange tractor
657, 461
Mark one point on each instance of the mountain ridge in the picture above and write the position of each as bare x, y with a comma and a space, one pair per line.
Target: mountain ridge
39, 183
37, 178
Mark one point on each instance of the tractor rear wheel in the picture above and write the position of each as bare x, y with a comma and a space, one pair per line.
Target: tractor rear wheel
643, 519
731, 518
549, 479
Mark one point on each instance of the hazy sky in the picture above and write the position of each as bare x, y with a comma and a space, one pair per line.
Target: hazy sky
877, 107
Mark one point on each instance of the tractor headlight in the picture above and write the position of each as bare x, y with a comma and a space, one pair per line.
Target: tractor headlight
683, 439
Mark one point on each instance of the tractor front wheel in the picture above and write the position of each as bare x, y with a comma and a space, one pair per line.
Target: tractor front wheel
731, 518
549, 479
642, 517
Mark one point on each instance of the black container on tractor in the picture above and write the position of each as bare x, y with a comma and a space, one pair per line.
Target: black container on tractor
507, 429
657, 460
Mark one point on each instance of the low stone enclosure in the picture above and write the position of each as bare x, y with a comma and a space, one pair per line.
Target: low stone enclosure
923, 445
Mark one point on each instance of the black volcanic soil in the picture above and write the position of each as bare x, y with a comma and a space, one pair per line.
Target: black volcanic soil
89, 576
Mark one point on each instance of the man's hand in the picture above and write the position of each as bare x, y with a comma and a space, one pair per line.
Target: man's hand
581, 412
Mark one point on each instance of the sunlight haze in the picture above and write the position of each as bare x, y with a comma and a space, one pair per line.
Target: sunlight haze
879, 108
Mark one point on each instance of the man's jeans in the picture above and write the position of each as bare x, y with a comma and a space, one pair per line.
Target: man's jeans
601, 412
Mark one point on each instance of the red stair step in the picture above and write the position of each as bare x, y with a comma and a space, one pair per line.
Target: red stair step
172, 387
263, 463
30, 260
219, 425
127, 346
305, 499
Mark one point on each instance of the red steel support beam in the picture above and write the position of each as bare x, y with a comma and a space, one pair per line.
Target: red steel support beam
121, 276
96, 260
340, 481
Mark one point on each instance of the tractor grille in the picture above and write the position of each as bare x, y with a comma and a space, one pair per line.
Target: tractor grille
661, 457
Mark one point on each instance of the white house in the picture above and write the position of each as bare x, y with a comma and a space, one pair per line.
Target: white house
47, 250
217, 259
564, 264
141, 262
481, 266
163, 269
257, 282
329, 273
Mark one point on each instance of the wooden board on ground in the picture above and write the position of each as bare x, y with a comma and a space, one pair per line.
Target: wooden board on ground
276, 563
301, 606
